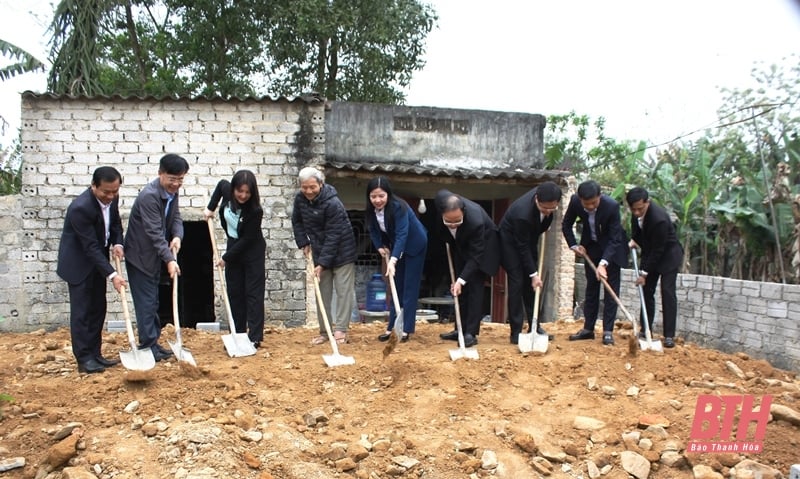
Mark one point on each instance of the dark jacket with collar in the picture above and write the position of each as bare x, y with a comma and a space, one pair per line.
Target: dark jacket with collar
83, 239
250, 243
149, 231
661, 251
608, 228
477, 244
323, 223
522, 226
404, 232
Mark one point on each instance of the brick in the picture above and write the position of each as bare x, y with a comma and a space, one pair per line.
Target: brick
777, 309
772, 290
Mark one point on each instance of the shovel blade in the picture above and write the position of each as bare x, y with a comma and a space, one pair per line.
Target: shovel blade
138, 359
333, 360
533, 342
181, 353
238, 345
653, 345
467, 353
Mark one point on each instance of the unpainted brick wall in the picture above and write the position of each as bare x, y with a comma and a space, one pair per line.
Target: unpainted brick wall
65, 139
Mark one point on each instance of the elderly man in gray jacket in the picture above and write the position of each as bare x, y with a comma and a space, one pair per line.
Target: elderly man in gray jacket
154, 229
321, 224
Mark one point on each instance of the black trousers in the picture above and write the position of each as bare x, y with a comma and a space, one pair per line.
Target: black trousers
246, 285
520, 293
87, 313
669, 300
593, 286
470, 303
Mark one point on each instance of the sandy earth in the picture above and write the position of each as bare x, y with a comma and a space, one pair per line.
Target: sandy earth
284, 414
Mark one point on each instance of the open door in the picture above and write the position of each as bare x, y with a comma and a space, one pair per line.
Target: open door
499, 279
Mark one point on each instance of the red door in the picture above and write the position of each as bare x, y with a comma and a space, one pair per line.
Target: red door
499, 280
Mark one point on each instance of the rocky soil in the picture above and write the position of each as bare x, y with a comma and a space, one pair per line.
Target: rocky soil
582, 410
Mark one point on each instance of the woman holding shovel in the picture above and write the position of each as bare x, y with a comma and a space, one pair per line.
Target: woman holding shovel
240, 215
398, 235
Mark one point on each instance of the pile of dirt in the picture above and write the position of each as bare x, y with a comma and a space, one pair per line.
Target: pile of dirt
580, 410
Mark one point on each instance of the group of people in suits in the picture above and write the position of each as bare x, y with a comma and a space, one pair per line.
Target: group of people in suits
322, 229
479, 247
150, 246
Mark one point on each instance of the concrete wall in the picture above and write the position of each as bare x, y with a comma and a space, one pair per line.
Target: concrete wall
441, 137
730, 315
65, 139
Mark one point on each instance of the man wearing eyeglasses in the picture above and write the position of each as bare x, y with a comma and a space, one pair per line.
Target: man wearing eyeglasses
473, 239
604, 242
155, 228
528, 218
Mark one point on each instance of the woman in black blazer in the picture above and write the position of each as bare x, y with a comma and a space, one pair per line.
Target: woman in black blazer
240, 215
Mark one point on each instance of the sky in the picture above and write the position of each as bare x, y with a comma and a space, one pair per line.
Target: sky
651, 69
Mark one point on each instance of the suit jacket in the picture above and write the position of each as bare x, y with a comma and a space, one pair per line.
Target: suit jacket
250, 243
477, 244
661, 251
149, 231
608, 228
83, 240
521, 226
405, 234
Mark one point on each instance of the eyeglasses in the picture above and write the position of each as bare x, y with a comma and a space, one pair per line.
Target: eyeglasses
174, 180
546, 209
453, 224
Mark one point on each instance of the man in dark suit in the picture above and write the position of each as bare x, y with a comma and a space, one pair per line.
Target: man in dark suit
603, 241
473, 240
155, 228
662, 255
92, 226
526, 220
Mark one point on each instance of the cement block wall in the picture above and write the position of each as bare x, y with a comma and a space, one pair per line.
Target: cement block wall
65, 139
730, 315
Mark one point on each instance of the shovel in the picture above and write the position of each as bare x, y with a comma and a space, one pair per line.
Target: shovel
647, 343
135, 359
610, 291
236, 344
533, 341
397, 331
180, 352
334, 359
462, 351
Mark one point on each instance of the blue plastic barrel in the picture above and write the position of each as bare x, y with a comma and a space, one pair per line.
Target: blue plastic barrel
376, 293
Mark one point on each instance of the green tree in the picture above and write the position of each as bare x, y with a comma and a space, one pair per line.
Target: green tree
22, 61
355, 50
74, 47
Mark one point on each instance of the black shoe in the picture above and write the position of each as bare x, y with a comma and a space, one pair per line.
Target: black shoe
90, 366
540, 330
451, 336
470, 340
405, 338
582, 334
256, 344
608, 338
669, 343
514, 338
160, 353
161, 349
384, 337
107, 363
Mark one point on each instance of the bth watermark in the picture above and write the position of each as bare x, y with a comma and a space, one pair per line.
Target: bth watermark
713, 424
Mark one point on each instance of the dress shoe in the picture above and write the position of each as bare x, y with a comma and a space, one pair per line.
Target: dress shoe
161, 349
405, 337
159, 354
608, 338
669, 343
384, 337
582, 334
256, 344
540, 330
514, 338
470, 340
107, 363
451, 336
90, 366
